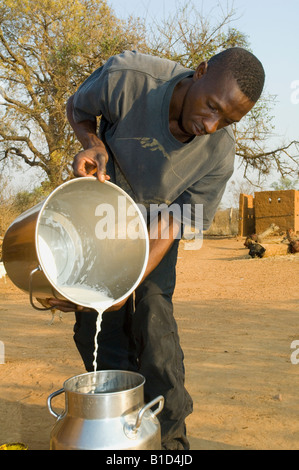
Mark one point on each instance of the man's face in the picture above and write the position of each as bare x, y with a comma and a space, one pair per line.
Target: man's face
212, 102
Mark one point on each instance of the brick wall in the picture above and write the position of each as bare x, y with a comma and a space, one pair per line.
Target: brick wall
246, 215
257, 213
279, 207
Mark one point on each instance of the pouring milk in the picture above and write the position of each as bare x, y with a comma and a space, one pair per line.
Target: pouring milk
99, 300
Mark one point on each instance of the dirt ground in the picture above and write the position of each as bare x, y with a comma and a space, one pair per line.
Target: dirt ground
237, 319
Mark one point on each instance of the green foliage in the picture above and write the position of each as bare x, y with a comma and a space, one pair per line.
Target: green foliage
24, 200
12, 205
47, 49
285, 184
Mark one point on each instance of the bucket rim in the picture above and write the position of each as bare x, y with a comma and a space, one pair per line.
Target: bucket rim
93, 180
67, 389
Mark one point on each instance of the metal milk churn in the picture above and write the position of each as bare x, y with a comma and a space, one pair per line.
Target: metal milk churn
105, 410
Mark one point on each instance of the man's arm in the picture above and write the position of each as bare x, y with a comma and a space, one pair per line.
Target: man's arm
94, 157
163, 233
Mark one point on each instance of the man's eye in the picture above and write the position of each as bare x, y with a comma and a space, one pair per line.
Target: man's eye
212, 108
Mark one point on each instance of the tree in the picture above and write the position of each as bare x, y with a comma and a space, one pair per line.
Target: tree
285, 184
189, 37
47, 49
236, 187
7, 211
253, 135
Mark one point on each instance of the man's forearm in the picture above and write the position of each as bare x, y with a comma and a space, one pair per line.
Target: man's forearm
86, 131
162, 237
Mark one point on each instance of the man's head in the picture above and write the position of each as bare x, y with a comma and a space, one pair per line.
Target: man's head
223, 91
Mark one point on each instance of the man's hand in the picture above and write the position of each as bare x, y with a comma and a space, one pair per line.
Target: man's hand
67, 307
93, 159
90, 162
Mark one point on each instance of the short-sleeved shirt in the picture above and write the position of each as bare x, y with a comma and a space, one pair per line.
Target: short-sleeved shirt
132, 94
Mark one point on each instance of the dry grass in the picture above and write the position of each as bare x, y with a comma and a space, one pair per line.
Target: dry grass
225, 223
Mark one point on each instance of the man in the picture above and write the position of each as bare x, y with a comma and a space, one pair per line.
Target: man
164, 137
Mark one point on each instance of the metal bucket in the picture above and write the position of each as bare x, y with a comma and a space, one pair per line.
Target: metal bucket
86, 233
105, 411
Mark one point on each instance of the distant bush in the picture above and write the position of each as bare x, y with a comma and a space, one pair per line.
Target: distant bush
225, 223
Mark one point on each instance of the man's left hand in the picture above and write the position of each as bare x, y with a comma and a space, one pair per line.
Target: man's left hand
66, 306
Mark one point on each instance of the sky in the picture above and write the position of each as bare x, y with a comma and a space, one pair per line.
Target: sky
272, 29
273, 33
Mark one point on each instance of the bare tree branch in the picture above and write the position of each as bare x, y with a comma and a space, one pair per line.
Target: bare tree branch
46, 51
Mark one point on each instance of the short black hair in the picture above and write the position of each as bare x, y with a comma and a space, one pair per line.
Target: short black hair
246, 69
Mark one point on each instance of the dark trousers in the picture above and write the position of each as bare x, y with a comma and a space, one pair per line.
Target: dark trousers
143, 337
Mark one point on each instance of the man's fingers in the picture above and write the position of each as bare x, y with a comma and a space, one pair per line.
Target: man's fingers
101, 167
62, 305
83, 166
101, 175
91, 162
66, 306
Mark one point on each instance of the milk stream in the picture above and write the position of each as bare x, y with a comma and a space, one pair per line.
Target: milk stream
99, 300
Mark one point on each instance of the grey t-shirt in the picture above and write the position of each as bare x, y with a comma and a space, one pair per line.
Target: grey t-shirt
132, 94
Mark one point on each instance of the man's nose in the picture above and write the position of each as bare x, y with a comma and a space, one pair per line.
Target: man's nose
211, 124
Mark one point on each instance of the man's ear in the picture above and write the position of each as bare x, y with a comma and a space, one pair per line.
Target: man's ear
200, 71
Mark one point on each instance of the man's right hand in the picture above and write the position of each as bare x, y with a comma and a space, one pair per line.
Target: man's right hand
93, 159
91, 162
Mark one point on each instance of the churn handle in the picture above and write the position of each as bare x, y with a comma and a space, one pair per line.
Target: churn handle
31, 294
50, 398
160, 400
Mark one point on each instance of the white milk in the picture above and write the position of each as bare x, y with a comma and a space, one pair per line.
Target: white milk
48, 258
98, 300
57, 258
85, 295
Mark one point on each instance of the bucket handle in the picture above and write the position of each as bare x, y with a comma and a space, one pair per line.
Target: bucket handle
131, 429
31, 293
50, 398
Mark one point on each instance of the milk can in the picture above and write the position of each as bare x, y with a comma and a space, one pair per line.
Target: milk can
105, 410
85, 234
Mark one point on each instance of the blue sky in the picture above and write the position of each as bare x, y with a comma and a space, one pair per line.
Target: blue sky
272, 27
273, 33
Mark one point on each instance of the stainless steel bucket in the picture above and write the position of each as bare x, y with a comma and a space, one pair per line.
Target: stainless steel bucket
105, 411
86, 233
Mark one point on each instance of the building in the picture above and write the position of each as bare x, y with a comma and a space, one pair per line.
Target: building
257, 213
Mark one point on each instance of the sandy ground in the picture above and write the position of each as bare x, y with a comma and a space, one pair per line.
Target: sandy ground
237, 319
